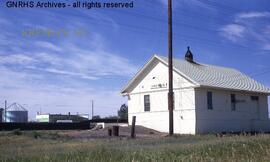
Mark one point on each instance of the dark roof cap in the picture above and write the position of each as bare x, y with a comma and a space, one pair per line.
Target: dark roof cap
189, 55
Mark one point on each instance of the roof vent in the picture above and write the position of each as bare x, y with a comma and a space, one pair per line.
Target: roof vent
189, 56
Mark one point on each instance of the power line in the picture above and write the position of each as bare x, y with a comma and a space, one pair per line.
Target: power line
227, 11
135, 14
160, 32
183, 11
180, 24
220, 5
147, 29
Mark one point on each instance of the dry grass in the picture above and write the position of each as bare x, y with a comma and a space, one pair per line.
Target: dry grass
57, 146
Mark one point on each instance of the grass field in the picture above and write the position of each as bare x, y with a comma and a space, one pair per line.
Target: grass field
47, 146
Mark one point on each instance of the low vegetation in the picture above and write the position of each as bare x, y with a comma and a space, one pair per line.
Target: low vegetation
43, 146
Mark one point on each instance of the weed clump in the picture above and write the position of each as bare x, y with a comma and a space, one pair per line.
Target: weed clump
17, 132
36, 135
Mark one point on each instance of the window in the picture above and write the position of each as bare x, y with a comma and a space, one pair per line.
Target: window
209, 100
254, 98
233, 102
146, 102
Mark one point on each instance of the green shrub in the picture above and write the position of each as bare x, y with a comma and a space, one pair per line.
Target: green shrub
17, 132
36, 135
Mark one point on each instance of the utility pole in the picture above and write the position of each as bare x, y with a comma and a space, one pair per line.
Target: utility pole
92, 108
5, 111
170, 62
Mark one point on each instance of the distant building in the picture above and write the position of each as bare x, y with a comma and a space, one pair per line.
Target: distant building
15, 113
60, 118
1, 115
207, 98
43, 117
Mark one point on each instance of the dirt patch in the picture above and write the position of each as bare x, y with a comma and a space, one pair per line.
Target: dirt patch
124, 132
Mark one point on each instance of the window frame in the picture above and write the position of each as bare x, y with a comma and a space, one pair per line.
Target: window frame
233, 102
209, 100
147, 105
254, 98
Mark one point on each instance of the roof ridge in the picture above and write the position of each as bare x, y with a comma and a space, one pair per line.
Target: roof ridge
199, 63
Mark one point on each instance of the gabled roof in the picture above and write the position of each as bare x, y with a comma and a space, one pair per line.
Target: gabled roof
205, 75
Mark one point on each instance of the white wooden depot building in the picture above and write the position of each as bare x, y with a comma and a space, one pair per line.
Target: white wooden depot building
207, 98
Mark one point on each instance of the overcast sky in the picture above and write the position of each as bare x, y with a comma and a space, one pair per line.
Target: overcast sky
97, 51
